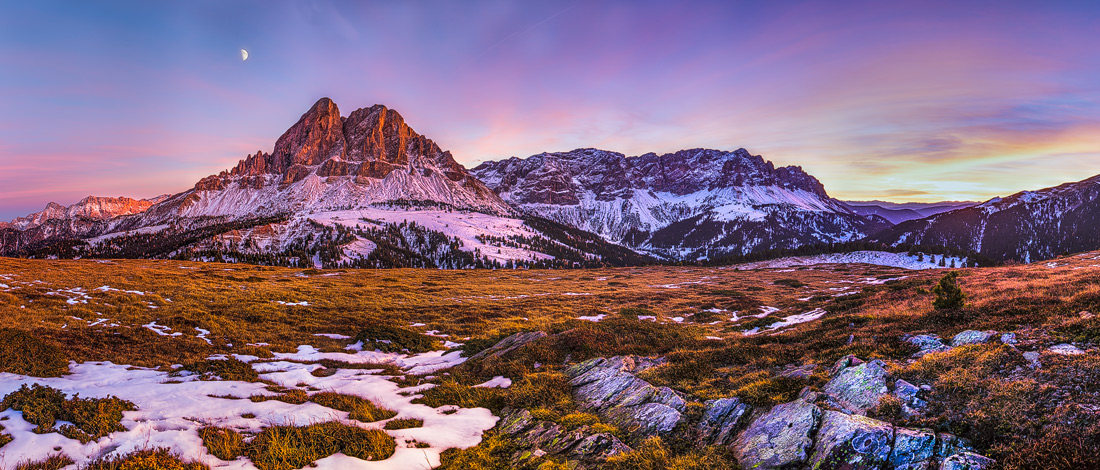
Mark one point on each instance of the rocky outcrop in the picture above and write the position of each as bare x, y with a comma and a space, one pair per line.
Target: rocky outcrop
858, 389
782, 437
721, 421
972, 337
966, 461
584, 445
852, 441
509, 344
609, 388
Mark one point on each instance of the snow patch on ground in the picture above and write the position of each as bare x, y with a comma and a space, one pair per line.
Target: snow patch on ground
880, 258
170, 414
594, 318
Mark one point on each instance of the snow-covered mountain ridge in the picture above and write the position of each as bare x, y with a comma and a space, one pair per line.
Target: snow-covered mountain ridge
689, 204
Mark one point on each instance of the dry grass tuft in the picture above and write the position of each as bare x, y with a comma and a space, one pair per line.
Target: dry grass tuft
91, 418
53, 462
358, 408
149, 459
24, 354
290, 447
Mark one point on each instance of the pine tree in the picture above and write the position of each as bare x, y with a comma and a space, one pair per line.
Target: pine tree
948, 294
943, 262
920, 257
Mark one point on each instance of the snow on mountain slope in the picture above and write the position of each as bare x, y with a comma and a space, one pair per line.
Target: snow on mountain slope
880, 258
1026, 226
693, 203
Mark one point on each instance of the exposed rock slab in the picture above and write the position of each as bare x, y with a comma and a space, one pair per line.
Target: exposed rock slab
609, 388
509, 344
859, 388
781, 438
852, 442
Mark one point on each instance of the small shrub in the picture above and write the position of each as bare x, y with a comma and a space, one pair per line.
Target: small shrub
52, 462
389, 338
404, 423
292, 447
358, 408
948, 293
25, 354
225, 444
91, 418
223, 369
150, 459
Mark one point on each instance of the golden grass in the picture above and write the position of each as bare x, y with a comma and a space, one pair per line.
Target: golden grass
358, 408
150, 459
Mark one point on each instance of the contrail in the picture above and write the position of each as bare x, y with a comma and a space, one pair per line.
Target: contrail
517, 33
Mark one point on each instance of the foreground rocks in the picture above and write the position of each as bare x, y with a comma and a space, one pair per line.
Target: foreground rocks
827, 430
609, 388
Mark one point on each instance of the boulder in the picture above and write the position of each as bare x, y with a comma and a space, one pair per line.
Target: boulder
971, 337
926, 343
1032, 357
780, 438
913, 448
609, 388
949, 444
1066, 349
852, 442
1008, 338
844, 363
583, 445
720, 421
967, 461
858, 389
909, 396
509, 344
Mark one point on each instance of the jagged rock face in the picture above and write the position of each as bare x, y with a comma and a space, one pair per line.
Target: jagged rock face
327, 162
1026, 226
608, 387
91, 207
726, 201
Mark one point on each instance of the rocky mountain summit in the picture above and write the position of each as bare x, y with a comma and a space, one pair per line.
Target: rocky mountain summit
1026, 226
688, 204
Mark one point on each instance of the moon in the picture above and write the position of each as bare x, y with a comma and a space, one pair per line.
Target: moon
244, 55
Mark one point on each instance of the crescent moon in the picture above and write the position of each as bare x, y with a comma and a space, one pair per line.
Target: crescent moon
244, 55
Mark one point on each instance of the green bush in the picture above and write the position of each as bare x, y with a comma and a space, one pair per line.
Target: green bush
25, 354
91, 418
389, 338
948, 294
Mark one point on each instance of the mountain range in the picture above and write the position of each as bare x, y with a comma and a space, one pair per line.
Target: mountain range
366, 190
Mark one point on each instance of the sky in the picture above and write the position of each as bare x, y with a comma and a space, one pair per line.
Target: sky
899, 101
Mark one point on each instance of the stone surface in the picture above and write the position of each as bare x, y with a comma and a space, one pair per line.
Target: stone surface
971, 337
582, 445
966, 461
926, 343
609, 388
781, 437
509, 344
1008, 338
858, 388
949, 444
913, 448
1066, 349
1032, 357
720, 421
851, 442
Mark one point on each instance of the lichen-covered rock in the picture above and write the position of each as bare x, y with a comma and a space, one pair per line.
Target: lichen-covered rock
509, 344
971, 337
1008, 338
926, 343
720, 421
780, 438
1032, 358
913, 448
582, 445
949, 444
609, 388
909, 396
966, 461
1066, 349
858, 389
851, 442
